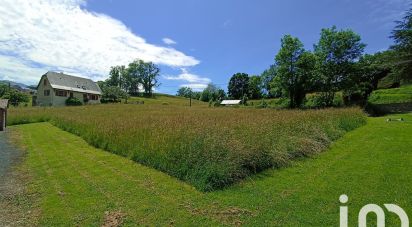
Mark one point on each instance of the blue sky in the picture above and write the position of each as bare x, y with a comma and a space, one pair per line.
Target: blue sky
194, 42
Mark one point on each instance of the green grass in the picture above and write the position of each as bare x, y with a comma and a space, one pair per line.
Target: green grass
393, 95
210, 148
76, 183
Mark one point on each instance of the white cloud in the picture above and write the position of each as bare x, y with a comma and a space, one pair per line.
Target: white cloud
189, 77
169, 41
41, 35
194, 81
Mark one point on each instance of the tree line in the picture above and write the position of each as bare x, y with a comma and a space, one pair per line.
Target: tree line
337, 63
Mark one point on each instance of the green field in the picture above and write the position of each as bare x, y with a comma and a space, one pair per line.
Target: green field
209, 148
76, 184
393, 95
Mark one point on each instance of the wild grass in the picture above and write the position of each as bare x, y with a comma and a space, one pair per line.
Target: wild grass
208, 147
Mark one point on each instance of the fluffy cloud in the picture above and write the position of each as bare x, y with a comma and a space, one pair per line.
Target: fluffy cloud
194, 81
60, 35
169, 41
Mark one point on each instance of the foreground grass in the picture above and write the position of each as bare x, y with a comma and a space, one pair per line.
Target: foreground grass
393, 95
210, 148
81, 185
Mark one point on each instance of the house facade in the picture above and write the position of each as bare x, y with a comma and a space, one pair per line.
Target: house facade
55, 88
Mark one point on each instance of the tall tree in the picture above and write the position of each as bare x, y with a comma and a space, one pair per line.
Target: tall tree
402, 35
238, 85
134, 71
267, 77
295, 69
211, 93
149, 77
255, 87
184, 92
337, 52
116, 76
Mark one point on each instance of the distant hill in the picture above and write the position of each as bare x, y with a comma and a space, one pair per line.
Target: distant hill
19, 86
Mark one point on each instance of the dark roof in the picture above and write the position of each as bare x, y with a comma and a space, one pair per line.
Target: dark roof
4, 103
72, 83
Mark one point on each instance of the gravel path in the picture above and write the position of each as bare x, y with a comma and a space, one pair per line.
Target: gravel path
8, 156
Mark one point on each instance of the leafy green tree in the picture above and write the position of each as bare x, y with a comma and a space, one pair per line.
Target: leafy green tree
117, 76
113, 94
134, 71
238, 85
16, 97
295, 69
212, 93
255, 87
402, 35
4, 88
184, 92
337, 52
369, 70
267, 77
149, 78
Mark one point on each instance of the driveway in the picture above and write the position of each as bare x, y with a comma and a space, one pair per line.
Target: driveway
8, 156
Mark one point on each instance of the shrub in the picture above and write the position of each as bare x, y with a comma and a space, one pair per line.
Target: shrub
73, 101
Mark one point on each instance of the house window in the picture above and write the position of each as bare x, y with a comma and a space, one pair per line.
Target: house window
45, 81
94, 97
46, 92
61, 93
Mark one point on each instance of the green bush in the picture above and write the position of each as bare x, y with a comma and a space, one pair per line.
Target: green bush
73, 101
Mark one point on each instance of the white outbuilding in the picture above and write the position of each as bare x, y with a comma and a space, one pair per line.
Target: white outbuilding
230, 102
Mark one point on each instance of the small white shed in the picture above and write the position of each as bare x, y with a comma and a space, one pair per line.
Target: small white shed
230, 102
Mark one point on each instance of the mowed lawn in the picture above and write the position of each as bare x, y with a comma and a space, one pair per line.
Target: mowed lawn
77, 184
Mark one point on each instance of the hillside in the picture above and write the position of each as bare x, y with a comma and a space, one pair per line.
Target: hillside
392, 95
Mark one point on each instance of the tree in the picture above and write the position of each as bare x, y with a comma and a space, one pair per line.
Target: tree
16, 97
212, 93
238, 85
255, 87
369, 70
402, 35
142, 75
113, 94
134, 71
117, 76
184, 92
337, 52
149, 78
295, 69
267, 77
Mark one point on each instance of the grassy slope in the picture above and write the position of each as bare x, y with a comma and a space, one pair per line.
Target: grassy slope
78, 183
394, 95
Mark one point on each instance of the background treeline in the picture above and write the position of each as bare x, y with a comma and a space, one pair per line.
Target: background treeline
335, 72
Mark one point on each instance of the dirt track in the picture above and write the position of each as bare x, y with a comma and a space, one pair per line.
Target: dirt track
15, 203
